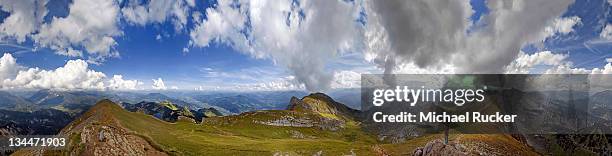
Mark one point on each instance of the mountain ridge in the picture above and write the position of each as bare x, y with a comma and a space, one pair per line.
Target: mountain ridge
97, 132
312, 125
13, 102
324, 105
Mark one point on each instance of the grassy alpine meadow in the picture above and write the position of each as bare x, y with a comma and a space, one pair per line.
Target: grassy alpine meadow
251, 133
236, 134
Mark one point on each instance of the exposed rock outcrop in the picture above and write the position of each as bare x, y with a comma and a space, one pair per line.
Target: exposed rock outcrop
109, 140
437, 147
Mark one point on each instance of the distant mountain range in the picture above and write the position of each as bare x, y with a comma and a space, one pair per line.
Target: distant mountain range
72, 102
170, 112
158, 97
238, 103
12, 102
21, 109
244, 102
76, 102
39, 122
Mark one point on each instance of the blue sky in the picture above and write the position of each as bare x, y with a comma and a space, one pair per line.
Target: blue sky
144, 57
582, 44
154, 49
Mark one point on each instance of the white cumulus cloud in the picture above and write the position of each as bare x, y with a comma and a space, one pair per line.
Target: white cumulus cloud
223, 24
417, 32
556, 64
525, 62
300, 36
158, 84
75, 74
91, 24
346, 79
561, 26
118, 83
25, 17
606, 33
8, 67
158, 11
607, 69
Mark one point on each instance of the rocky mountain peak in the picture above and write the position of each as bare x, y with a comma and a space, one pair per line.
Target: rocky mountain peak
322, 104
98, 132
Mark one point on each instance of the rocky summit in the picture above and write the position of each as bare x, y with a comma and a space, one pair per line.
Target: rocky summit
322, 104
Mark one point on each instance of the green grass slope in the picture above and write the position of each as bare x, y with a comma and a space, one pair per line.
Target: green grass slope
241, 134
